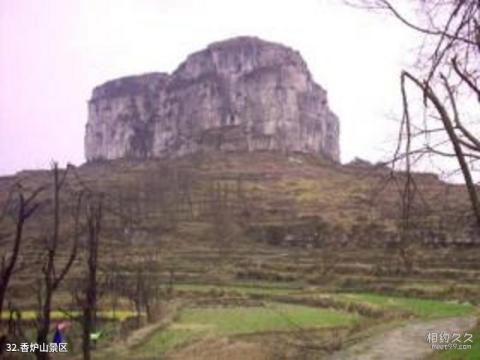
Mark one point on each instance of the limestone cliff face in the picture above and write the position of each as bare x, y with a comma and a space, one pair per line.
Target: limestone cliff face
242, 94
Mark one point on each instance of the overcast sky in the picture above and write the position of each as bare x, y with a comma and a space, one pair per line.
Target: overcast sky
53, 52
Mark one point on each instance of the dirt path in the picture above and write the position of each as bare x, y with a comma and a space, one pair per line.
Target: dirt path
407, 342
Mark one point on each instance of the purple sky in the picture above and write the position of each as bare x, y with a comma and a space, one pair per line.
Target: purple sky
53, 52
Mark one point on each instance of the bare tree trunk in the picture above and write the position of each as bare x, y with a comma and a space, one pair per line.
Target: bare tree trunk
26, 208
454, 139
51, 278
94, 219
44, 326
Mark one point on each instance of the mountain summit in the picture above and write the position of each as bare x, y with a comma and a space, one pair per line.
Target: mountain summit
242, 94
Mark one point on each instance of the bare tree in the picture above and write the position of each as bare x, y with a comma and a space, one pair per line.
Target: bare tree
21, 207
52, 277
113, 283
224, 229
441, 93
94, 221
146, 291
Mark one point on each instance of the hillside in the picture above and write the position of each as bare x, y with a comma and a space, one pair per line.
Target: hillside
263, 216
346, 203
227, 240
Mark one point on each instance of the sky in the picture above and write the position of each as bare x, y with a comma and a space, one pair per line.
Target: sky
53, 52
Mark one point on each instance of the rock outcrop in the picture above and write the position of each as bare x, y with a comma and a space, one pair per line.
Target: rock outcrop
242, 94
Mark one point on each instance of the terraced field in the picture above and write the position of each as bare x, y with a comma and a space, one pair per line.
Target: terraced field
245, 318
424, 308
198, 323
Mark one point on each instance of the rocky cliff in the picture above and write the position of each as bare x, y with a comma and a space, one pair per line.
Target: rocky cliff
242, 94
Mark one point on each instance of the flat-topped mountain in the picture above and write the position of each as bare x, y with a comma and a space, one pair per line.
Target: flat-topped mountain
242, 94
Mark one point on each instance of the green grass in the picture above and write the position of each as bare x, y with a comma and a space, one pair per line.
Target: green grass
426, 308
197, 323
168, 339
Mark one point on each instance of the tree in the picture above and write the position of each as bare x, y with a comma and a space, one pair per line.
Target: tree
224, 229
441, 93
146, 291
20, 206
53, 274
113, 283
94, 221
